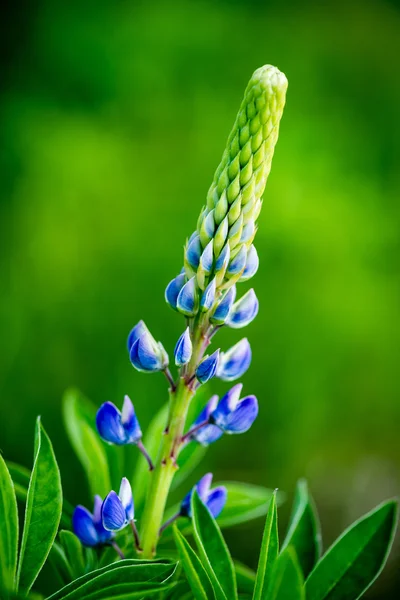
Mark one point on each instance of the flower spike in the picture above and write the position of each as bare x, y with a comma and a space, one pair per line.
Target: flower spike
235, 362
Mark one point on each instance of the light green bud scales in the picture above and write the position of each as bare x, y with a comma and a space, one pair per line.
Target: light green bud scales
235, 197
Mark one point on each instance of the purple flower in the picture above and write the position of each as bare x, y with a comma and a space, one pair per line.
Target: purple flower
117, 510
118, 427
88, 527
235, 415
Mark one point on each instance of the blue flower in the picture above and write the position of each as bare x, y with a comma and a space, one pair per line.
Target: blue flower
233, 363
233, 415
223, 308
252, 262
214, 499
193, 251
117, 510
243, 311
88, 527
208, 297
173, 289
118, 427
208, 367
145, 353
238, 263
183, 349
187, 301
208, 433
207, 258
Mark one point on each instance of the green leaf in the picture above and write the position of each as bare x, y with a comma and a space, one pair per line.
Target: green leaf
304, 532
194, 570
213, 550
269, 551
245, 578
59, 564
42, 512
124, 579
74, 552
286, 578
356, 558
79, 419
8, 528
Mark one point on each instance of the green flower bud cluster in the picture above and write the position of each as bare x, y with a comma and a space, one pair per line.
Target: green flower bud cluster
222, 246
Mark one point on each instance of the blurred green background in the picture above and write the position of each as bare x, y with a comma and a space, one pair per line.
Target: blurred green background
113, 117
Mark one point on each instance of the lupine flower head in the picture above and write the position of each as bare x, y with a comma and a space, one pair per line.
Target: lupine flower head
88, 527
116, 427
243, 311
235, 362
183, 349
214, 499
233, 415
208, 367
145, 353
209, 433
117, 510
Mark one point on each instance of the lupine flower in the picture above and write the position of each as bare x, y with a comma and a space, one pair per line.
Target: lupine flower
252, 262
214, 499
222, 311
173, 289
208, 367
208, 297
145, 353
208, 433
243, 311
188, 300
118, 427
88, 527
233, 415
233, 363
183, 349
117, 510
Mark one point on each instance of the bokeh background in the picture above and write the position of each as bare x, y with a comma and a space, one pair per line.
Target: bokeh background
113, 117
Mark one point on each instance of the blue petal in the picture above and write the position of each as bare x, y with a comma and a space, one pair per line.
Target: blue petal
252, 262
130, 422
83, 526
98, 503
193, 251
207, 410
235, 362
248, 232
209, 433
203, 486
238, 263
207, 368
208, 297
173, 289
223, 308
135, 334
108, 422
226, 405
243, 311
206, 259
223, 259
149, 353
125, 495
217, 500
134, 356
183, 349
243, 417
187, 299
113, 513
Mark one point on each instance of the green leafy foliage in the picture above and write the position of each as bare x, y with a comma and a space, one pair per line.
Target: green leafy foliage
213, 551
245, 578
195, 573
286, 579
304, 529
269, 551
357, 557
42, 512
74, 553
125, 579
8, 529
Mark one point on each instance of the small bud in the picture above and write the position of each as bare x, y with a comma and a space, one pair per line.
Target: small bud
220, 236
146, 354
235, 233
172, 291
208, 297
88, 527
208, 367
193, 251
243, 311
207, 229
214, 499
117, 510
235, 362
135, 334
252, 263
118, 428
183, 349
238, 263
207, 259
223, 308
233, 415
222, 264
187, 302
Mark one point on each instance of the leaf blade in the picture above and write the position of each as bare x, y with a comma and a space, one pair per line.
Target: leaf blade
8, 528
269, 551
195, 573
287, 579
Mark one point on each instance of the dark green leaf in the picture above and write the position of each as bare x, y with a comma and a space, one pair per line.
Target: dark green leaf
8, 528
269, 551
245, 578
42, 512
304, 532
286, 578
357, 557
194, 570
125, 579
74, 553
60, 565
213, 550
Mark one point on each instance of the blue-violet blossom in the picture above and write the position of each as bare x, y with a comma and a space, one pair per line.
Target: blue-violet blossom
88, 527
214, 499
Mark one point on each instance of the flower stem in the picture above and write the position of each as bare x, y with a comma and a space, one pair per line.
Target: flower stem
145, 454
169, 522
136, 536
188, 435
117, 549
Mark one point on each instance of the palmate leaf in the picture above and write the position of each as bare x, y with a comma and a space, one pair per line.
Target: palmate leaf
125, 579
286, 582
269, 552
355, 560
42, 512
213, 551
195, 573
8, 529
304, 532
